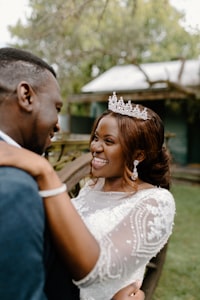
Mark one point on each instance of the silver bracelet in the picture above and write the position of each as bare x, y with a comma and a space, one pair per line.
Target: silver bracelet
53, 192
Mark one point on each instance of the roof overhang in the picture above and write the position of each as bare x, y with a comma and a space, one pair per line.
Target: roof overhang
135, 95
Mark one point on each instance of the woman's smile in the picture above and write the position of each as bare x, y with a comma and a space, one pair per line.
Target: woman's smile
98, 162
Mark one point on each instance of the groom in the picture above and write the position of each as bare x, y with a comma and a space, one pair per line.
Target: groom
30, 101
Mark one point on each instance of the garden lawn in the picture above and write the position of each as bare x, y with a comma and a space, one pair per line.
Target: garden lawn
180, 279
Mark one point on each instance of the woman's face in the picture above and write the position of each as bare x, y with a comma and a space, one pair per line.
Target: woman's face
108, 159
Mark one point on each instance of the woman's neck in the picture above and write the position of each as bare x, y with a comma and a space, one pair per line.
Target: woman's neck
113, 185
118, 185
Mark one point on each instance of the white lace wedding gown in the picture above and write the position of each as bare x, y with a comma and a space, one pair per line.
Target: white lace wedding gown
131, 229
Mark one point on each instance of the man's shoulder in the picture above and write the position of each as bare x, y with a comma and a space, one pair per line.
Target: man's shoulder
18, 187
13, 174
21, 236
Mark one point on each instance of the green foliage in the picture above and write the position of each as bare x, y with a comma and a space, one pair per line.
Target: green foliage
79, 37
181, 273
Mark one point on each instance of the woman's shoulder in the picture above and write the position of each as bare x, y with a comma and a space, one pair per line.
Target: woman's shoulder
157, 195
156, 190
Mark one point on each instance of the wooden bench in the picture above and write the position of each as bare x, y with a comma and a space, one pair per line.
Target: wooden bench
73, 174
65, 148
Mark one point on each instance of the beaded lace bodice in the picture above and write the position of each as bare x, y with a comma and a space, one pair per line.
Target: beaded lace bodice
130, 228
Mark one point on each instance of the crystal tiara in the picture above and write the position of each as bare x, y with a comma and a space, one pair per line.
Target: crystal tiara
127, 109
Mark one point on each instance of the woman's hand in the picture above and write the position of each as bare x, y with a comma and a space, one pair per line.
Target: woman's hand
130, 292
30, 162
21, 158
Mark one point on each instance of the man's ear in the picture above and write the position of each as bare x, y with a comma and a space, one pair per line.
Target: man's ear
25, 95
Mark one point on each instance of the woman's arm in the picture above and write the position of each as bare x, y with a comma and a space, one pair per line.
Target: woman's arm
75, 242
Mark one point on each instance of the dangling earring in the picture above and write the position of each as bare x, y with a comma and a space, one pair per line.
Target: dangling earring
135, 172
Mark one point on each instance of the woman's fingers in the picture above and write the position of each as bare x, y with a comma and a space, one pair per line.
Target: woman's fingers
130, 292
139, 295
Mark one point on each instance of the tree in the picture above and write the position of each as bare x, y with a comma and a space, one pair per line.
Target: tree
82, 38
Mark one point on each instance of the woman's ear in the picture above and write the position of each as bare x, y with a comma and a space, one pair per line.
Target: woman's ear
25, 95
139, 155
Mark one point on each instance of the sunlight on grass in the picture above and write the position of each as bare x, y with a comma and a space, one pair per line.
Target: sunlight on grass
181, 272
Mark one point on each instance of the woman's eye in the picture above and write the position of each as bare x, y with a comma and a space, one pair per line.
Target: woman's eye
108, 141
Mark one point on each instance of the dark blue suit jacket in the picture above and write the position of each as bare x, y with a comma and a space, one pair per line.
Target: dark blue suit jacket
30, 269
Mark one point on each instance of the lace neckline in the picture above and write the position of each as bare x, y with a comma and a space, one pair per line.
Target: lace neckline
99, 185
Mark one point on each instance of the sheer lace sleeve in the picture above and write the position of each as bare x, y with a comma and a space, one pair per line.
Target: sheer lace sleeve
131, 233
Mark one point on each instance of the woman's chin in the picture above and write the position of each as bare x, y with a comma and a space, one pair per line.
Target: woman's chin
97, 173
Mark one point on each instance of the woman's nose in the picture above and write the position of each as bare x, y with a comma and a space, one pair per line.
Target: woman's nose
97, 146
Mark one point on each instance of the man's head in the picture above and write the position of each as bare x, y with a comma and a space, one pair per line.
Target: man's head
29, 99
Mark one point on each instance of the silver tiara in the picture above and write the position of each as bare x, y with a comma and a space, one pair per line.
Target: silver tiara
127, 109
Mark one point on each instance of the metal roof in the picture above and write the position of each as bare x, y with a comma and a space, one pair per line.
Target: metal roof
130, 77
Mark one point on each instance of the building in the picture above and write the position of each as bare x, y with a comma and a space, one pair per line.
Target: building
171, 88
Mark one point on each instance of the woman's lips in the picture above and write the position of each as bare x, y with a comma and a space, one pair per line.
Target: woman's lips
98, 163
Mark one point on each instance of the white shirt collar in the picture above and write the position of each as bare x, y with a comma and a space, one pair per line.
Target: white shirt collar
8, 139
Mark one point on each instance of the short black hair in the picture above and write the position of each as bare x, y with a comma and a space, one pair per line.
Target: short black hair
8, 54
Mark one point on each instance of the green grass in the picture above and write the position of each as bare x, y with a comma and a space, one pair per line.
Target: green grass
180, 279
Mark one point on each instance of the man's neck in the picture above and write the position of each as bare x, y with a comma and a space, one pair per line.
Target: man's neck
8, 139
